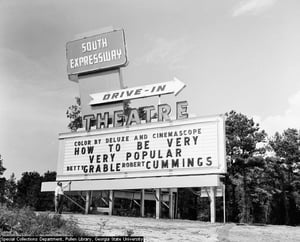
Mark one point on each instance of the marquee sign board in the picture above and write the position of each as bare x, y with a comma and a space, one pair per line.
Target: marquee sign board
174, 148
174, 86
96, 53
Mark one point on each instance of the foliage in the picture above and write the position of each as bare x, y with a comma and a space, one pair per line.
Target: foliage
2, 190
286, 173
25, 222
11, 189
46, 198
2, 181
28, 189
245, 165
2, 169
74, 114
262, 189
259, 188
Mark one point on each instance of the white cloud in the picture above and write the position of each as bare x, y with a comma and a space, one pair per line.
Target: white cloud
289, 119
252, 7
169, 53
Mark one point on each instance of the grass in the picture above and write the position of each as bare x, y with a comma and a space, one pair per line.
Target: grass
26, 222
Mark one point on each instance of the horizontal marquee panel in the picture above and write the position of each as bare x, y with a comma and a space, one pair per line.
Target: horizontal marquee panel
137, 183
181, 147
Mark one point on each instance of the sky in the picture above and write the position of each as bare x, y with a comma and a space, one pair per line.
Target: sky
241, 55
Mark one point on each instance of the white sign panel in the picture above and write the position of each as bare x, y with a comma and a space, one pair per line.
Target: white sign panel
182, 147
96, 53
174, 86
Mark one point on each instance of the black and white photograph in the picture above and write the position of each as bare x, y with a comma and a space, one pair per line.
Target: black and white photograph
161, 120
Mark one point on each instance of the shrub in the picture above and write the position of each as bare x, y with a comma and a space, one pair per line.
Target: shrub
24, 221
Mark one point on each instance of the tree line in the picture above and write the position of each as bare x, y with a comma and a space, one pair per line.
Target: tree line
263, 176
262, 181
26, 192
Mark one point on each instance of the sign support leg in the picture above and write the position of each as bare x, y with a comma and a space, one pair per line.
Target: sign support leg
212, 204
224, 204
122, 85
176, 203
157, 202
111, 202
87, 202
142, 203
171, 204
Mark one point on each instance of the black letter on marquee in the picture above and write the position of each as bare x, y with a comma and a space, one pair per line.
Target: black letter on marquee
208, 161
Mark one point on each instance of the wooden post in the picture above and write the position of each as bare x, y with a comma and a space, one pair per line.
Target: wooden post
212, 204
111, 202
87, 202
171, 204
224, 204
142, 203
176, 204
157, 202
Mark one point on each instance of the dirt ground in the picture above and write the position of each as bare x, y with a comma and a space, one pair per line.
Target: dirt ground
182, 230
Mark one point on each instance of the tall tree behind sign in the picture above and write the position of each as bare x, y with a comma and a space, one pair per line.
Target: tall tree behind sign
244, 166
286, 176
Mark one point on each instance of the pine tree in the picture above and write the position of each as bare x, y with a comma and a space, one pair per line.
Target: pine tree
245, 162
287, 165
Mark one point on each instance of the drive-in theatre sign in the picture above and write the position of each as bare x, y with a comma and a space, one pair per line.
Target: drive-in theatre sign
127, 147
181, 147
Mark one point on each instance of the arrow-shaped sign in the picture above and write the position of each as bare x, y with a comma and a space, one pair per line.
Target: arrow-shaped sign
174, 86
